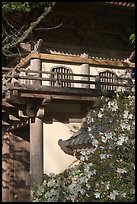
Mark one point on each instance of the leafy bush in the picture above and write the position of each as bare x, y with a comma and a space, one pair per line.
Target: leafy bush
21, 6
106, 172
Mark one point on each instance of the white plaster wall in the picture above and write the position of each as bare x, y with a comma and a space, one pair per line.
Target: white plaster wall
118, 72
55, 160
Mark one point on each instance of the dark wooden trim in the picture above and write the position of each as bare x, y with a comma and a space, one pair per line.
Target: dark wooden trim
56, 90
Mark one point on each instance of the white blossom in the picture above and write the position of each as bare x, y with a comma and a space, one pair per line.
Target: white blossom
100, 115
104, 139
114, 108
121, 171
107, 185
133, 165
97, 195
97, 185
113, 105
113, 194
92, 120
94, 172
83, 152
51, 183
125, 115
123, 125
88, 186
122, 139
128, 127
92, 150
102, 109
102, 156
108, 135
89, 129
130, 116
123, 195
95, 143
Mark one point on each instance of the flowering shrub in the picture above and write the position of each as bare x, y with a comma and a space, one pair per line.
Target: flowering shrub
106, 171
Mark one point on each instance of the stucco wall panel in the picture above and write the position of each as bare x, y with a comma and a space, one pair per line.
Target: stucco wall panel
55, 160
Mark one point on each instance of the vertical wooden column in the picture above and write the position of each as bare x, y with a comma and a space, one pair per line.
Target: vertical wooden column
36, 151
85, 69
5, 167
11, 168
36, 138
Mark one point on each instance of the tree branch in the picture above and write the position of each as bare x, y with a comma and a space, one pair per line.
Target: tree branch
18, 40
49, 28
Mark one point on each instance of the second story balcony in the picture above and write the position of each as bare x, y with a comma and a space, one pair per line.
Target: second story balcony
46, 80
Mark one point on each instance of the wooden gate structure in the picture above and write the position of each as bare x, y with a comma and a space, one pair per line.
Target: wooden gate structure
29, 88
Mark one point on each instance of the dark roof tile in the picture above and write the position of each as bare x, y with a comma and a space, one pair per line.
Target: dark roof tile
124, 4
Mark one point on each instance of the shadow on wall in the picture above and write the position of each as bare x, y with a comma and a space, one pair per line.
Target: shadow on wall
15, 166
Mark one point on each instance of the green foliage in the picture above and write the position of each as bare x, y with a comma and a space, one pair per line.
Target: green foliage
21, 6
132, 38
106, 171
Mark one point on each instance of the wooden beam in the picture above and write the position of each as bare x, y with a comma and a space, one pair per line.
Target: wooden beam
6, 104
74, 60
57, 90
72, 98
5, 123
12, 117
36, 95
48, 98
11, 96
79, 60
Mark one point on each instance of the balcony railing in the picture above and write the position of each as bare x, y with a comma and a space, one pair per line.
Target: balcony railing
85, 85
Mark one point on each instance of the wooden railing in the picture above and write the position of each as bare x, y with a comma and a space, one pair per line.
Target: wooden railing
122, 82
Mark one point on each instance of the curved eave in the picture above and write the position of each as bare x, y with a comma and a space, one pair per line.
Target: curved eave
79, 140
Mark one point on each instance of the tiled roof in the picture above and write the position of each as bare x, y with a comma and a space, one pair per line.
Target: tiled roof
79, 140
124, 4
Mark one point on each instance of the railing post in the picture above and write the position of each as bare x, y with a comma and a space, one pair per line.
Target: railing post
35, 65
85, 69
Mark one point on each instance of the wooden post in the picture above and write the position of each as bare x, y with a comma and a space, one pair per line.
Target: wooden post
36, 151
11, 168
5, 167
36, 138
85, 69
